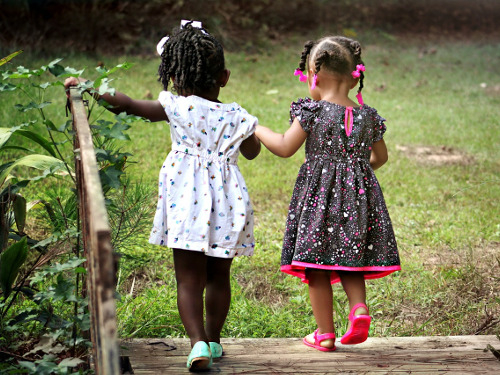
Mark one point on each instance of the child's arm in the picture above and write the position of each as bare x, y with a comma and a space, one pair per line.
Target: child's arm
283, 145
379, 154
150, 109
250, 147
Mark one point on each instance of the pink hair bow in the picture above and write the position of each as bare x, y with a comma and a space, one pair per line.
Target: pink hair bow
300, 73
357, 73
303, 78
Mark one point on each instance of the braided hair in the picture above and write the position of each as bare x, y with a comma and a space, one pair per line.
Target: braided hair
193, 58
336, 54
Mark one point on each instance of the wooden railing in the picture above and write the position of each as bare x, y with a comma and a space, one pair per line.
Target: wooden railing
96, 234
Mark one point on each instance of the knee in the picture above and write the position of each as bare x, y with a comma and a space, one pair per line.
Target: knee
191, 282
317, 276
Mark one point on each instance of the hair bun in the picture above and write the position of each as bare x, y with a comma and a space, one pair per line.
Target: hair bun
356, 48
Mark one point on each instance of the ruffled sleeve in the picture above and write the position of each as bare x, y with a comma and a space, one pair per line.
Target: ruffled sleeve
167, 100
251, 123
304, 110
378, 125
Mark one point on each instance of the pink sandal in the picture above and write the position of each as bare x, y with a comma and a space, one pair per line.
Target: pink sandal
318, 339
360, 325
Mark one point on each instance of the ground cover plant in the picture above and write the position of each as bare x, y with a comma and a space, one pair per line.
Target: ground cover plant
43, 304
441, 184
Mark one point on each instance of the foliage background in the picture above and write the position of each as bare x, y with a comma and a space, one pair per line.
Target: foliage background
428, 60
134, 26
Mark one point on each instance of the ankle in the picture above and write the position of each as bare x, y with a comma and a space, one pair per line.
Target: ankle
194, 340
361, 311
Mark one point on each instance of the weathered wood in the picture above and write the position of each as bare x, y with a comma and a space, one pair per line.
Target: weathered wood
402, 355
96, 235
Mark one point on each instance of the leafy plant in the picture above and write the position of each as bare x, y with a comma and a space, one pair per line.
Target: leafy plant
43, 304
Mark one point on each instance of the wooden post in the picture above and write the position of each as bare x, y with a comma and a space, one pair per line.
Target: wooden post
96, 234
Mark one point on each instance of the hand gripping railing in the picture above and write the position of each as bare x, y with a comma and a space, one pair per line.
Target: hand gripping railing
96, 234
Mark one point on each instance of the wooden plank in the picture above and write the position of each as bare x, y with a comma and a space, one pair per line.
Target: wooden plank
401, 355
96, 235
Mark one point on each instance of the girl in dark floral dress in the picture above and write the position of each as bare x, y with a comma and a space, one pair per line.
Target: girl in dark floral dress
338, 227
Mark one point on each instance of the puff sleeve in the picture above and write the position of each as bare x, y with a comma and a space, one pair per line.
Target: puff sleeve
304, 110
378, 126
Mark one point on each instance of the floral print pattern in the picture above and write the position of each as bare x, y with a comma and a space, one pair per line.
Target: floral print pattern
338, 219
203, 201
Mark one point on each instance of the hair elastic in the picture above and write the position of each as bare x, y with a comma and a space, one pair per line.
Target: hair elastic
357, 73
303, 78
161, 43
360, 98
300, 73
314, 80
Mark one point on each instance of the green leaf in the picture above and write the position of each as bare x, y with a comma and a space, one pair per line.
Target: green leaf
49, 124
30, 366
22, 72
19, 148
46, 85
58, 70
110, 177
65, 126
13, 189
104, 73
7, 87
5, 133
48, 164
10, 57
70, 362
46, 144
19, 207
10, 261
30, 106
104, 87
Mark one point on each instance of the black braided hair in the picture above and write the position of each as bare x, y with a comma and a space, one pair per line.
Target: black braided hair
193, 58
305, 54
337, 54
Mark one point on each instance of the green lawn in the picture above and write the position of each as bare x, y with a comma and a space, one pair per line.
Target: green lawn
445, 214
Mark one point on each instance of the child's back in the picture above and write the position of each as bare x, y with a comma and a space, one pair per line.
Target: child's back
337, 196
204, 212
338, 227
201, 187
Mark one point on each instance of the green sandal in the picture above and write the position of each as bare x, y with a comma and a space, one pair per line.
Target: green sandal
200, 358
216, 349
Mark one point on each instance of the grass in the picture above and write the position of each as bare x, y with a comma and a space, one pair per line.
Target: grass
445, 215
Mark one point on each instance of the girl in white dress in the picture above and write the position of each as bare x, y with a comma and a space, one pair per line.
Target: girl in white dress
204, 212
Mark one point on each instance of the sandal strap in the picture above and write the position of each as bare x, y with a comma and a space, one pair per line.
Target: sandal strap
357, 306
322, 337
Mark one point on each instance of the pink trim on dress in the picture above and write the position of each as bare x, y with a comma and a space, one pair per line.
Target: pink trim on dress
375, 272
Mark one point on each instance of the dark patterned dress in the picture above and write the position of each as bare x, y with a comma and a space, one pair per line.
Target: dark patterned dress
337, 219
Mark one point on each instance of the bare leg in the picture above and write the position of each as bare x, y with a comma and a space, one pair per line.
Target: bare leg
217, 296
354, 286
321, 297
191, 277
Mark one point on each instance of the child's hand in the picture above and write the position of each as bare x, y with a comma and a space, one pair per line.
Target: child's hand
72, 81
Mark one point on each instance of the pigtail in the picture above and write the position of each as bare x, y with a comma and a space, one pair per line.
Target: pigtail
305, 54
355, 49
361, 78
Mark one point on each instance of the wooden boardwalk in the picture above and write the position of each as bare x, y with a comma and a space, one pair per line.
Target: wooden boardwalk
396, 355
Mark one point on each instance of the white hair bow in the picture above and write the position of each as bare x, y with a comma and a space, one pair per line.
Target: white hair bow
161, 43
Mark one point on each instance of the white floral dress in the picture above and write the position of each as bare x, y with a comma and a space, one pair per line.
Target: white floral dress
203, 201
